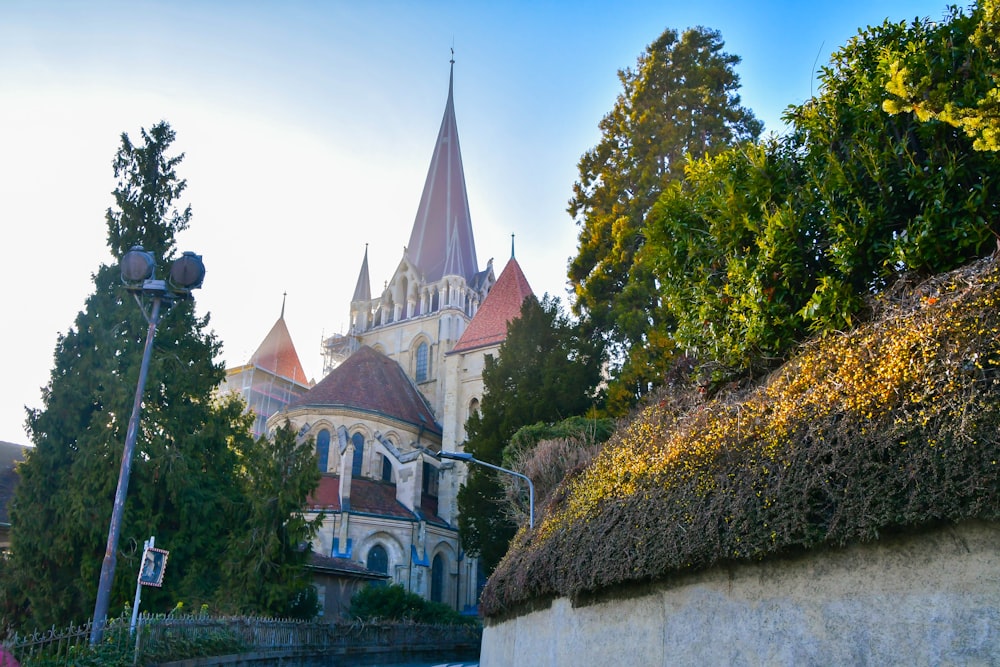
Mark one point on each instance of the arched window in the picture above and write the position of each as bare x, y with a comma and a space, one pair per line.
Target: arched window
359, 453
386, 469
423, 362
473, 406
430, 480
437, 579
323, 449
378, 559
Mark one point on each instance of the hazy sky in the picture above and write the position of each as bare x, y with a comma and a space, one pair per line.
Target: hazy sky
308, 129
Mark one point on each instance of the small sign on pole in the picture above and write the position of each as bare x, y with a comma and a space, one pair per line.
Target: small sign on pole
154, 562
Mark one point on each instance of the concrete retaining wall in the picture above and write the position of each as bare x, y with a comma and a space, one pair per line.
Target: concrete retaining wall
930, 599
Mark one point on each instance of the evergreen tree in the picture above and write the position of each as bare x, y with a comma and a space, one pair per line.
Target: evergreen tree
265, 559
765, 244
680, 102
922, 76
547, 370
183, 481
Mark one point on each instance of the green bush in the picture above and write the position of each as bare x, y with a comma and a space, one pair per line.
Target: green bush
394, 603
891, 427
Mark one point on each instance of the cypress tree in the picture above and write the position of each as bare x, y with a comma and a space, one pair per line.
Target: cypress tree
184, 468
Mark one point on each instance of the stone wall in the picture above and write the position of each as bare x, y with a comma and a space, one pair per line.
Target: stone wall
931, 599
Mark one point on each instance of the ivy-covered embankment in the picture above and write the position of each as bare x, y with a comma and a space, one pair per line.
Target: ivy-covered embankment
892, 426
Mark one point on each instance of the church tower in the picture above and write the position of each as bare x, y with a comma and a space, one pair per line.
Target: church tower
400, 385
438, 286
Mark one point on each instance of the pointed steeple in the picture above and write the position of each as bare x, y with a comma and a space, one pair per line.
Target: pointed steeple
277, 354
502, 304
441, 242
363, 290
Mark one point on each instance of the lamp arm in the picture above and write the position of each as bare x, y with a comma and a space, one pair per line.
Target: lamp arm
531, 487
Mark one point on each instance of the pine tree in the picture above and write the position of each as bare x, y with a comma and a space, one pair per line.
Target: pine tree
546, 371
183, 475
265, 562
680, 102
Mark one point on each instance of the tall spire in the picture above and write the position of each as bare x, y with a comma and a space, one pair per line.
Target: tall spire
363, 290
441, 242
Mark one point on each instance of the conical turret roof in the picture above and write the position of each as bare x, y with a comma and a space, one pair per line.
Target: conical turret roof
441, 242
502, 304
363, 290
277, 353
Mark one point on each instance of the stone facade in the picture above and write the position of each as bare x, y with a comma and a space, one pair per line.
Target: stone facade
401, 384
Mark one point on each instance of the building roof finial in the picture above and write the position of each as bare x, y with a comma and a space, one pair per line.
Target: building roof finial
512, 246
284, 295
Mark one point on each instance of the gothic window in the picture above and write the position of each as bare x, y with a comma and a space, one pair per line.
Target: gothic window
378, 559
437, 579
386, 469
323, 449
423, 362
430, 482
359, 453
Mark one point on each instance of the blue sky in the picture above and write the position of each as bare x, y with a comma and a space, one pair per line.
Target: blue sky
308, 129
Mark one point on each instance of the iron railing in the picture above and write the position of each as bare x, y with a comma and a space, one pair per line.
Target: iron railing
158, 638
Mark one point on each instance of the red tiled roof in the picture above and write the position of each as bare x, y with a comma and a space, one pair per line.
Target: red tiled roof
367, 497
277, 354
370, 381
502, 304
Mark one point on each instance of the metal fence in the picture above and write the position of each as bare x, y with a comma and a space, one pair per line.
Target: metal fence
158, 638
57, 646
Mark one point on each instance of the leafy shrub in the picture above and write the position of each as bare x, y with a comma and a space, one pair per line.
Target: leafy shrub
395, 603
893, 426
546, 453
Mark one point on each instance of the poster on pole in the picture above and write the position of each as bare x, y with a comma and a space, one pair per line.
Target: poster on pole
154, 562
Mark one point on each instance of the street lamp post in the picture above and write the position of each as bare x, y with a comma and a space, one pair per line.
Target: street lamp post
468, 458
138, 273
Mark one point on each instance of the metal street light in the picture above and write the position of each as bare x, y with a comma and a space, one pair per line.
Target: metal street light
138, 269
468, 458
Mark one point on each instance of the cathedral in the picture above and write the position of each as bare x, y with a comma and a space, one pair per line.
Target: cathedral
400, 386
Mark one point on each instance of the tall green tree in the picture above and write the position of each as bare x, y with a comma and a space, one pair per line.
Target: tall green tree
765, 244
265, 559
547, 370
955, 80
680, 102
183, 482
898, 195
736, 258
